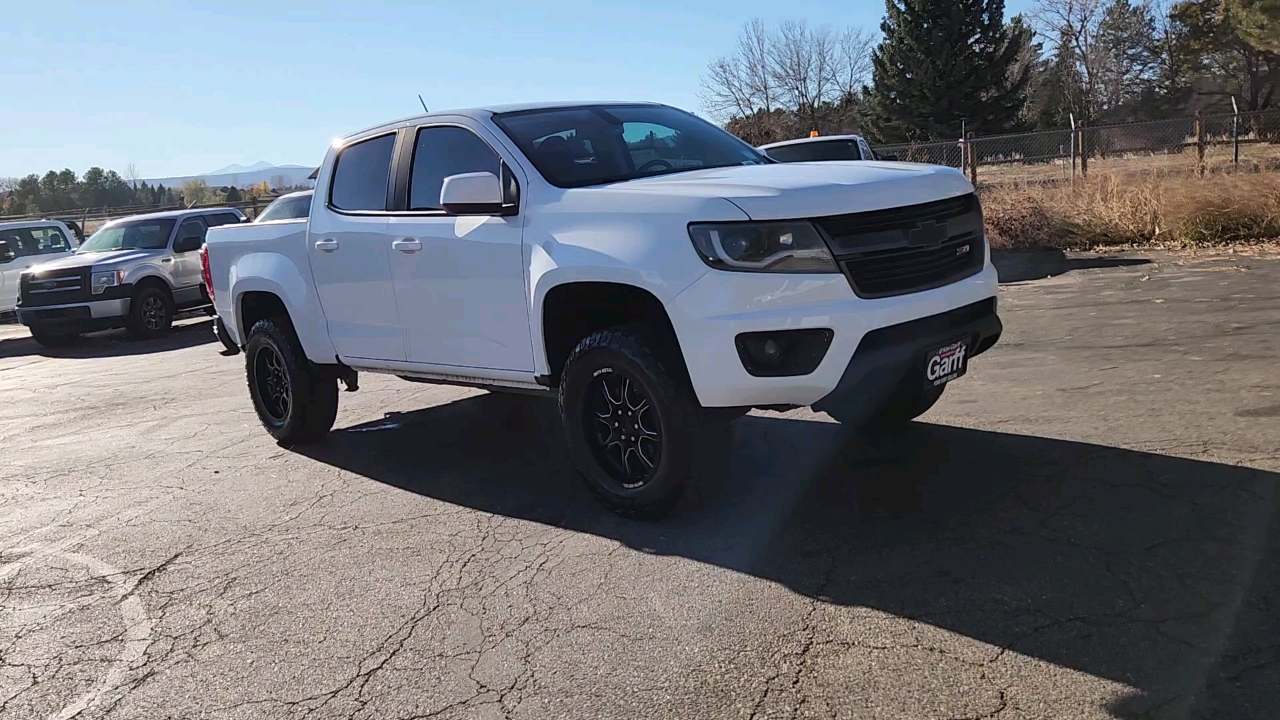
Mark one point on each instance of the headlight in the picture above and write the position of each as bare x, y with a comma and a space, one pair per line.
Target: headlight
105, 279
790, 247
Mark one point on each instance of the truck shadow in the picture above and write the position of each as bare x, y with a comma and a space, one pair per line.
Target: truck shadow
1156, 572
110, 343
1014, 266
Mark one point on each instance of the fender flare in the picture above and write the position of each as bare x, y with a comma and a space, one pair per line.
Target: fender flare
278, 275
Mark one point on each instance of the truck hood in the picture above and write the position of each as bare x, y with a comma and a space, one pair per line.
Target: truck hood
795, 190
98, 260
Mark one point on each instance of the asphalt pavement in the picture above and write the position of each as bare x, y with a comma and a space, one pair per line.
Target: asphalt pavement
1084, 527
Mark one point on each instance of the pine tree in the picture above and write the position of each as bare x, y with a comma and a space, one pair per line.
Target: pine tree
941, 64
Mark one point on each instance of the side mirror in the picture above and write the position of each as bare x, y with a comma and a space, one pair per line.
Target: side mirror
7, 254
188, 243
477, 193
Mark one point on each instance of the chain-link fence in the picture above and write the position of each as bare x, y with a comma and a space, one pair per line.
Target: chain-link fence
1244, 142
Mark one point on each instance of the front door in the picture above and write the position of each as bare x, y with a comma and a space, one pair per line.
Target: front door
349, 254
459, 280
184, 267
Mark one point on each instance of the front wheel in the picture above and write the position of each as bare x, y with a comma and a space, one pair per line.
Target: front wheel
633, 426
296, 404
150, 313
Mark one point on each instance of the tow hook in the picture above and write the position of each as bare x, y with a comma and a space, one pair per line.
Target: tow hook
350, 378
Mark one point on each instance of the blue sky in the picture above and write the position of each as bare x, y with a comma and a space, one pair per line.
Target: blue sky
180, 89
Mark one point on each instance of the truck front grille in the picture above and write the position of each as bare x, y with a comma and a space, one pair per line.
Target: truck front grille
909, 249
55, 287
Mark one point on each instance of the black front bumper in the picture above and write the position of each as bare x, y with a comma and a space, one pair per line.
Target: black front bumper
892, 358
67, 320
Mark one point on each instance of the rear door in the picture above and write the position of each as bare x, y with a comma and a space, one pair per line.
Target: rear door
349, 252
459, 280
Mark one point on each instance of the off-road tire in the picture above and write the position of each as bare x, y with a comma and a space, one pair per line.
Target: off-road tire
274, 359
150, 313
54, 340
630, 354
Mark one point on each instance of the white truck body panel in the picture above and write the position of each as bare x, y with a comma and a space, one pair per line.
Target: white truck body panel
464, 301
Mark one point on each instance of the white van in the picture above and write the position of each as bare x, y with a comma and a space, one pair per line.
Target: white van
26, 243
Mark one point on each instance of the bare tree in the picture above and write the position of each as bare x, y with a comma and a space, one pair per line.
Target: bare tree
131, 175
8, 184
1070, 29
1108, 51
856, 46
741, 85
787, 80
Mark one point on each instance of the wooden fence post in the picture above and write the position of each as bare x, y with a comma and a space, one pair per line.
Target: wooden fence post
1073, 147
973, 160
1199, 144
1235, 134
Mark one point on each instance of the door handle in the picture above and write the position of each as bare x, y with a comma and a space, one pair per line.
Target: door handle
166, 260
327, 244
407, 245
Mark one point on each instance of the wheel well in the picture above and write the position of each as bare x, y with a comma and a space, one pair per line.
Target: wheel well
258, 305
153, 281
573, 311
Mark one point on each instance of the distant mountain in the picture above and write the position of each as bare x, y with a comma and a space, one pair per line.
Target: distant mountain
243, 176
237, 169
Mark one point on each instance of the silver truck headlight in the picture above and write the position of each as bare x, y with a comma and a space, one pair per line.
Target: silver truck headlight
105, 279
783, 247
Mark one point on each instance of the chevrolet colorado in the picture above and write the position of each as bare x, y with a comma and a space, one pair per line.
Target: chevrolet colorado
654, 272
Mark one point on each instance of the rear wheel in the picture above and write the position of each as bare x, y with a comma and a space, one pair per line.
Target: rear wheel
50, 339
150, 313
296, 403
633, 426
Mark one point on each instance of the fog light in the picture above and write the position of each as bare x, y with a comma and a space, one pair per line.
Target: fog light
771, 353
782, 353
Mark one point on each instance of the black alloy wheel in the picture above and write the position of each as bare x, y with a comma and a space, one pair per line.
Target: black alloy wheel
153, 313
296, 400
624, 429
272, 379
150, 314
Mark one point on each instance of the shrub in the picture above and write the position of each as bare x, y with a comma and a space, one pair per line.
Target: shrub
1125, 211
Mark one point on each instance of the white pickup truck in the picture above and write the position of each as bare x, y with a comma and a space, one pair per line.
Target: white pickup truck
656, 273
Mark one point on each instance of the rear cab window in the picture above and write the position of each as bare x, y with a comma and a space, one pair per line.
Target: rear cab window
225, 218
297, 207
362, 174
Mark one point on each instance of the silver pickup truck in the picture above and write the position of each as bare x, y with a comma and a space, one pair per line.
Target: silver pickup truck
135, 273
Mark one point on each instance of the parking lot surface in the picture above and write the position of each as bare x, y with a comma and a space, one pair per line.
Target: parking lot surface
1084, 527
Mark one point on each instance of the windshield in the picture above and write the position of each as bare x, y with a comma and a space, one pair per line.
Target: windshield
816, 151
134, 235
593, 145
290, 207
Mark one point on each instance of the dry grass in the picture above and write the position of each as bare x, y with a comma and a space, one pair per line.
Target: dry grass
1135, 211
